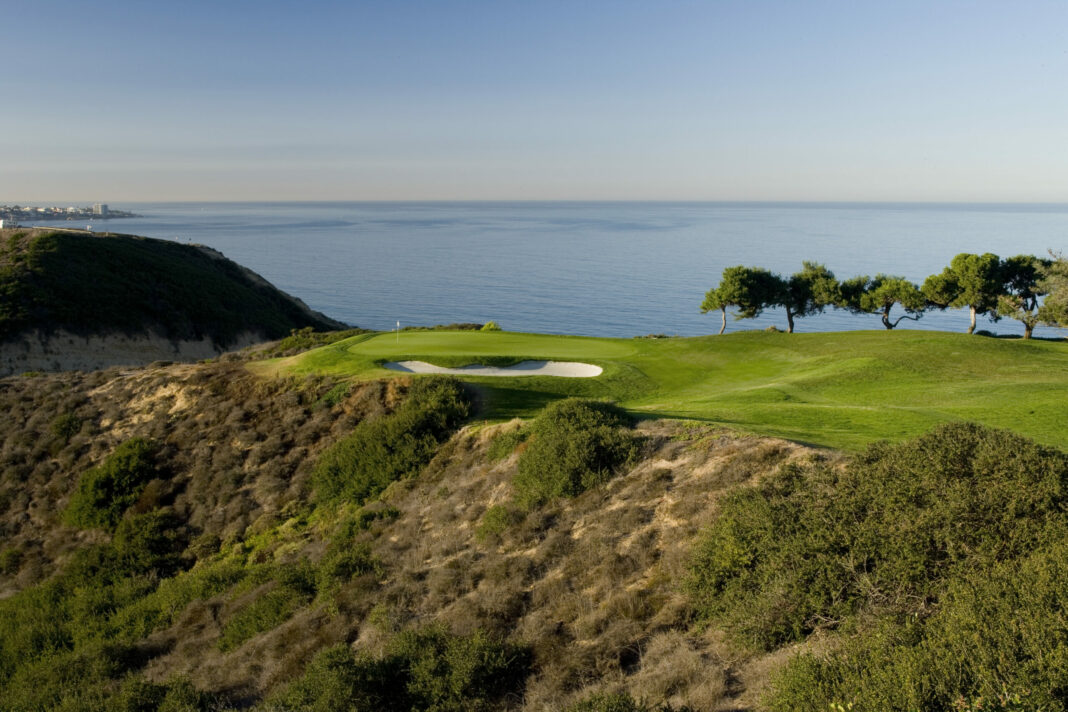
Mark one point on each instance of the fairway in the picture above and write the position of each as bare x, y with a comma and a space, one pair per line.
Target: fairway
840, 390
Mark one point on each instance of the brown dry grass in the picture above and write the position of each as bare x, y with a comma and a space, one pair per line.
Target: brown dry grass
592, 585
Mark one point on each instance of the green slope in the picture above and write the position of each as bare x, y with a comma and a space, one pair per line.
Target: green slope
839, 389
89, 284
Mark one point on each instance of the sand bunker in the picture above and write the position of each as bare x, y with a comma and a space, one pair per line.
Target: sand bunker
563, 369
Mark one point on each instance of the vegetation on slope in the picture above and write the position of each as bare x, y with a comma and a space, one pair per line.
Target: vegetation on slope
286, 544
226, 584
841, 390
384, 450
95, 285
940, 560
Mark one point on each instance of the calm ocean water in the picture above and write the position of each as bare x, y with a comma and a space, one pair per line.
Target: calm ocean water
604, 269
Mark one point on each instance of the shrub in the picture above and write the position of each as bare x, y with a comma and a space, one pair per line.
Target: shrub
149, 542
490, 326
494, 522
266, 612
428, 669
504, 444
343, 560
620, 702
10, 560
105, 491
811, 546
574, 445
66, 426
997, 641
944, 558
394, 446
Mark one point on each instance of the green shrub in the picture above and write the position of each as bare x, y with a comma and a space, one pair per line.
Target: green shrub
394, 446
149, 542
494, 522
997, 641
265, 613
620, 702
490, 326
337, 394
811, 546
428, 669
574, 445
10, 560
66, 426
504, 444
105, 491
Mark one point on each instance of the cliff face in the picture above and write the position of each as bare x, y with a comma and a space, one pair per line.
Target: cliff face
73, 300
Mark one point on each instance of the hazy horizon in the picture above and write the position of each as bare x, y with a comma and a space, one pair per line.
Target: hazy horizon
832, 102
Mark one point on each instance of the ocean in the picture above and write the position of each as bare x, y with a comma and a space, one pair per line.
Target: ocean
595, 268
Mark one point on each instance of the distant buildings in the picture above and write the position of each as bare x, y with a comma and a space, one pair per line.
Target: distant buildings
13, 214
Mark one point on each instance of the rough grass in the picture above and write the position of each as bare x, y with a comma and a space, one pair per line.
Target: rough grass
840, 390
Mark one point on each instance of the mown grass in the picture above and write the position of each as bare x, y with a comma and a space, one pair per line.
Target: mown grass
840, 390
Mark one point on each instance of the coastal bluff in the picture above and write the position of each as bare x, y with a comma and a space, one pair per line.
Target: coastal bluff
71, 300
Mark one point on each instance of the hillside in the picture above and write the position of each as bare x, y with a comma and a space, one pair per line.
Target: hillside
75, 300
585, 586
198, 537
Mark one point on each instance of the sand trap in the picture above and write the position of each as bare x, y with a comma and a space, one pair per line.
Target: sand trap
563, 369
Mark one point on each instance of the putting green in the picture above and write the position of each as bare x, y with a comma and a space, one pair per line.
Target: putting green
841, 389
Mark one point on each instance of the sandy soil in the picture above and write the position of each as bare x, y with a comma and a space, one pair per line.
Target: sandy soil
563, 369
63, 351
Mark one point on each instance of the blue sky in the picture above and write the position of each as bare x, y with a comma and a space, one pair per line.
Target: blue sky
927, 101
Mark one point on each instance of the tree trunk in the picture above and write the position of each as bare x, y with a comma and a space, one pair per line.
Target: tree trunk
971, 329
789, 322
1028, 328
886, 318
724, 326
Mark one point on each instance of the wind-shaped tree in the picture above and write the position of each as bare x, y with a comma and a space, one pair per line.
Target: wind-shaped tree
1021, 277
879, 294
749, 289
808, 292
973, 281
1054, 309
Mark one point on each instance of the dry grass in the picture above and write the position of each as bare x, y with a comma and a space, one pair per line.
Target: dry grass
592, 584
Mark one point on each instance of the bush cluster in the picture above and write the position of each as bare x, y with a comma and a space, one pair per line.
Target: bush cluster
392, 447
428, 669
574, 445
105, 491
942, 556
620, 702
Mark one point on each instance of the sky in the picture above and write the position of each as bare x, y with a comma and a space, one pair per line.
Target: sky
112, 101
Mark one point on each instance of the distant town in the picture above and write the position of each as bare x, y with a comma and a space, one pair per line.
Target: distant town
15, 215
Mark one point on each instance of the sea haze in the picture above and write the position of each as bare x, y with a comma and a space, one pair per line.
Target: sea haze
603, 269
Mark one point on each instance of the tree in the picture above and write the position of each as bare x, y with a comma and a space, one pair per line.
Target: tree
808, 292
750, 289
973, 281
1021, 287
879, 294
1054, 282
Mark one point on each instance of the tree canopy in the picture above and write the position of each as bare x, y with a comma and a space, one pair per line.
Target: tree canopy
1021, 277
808, 292
973, 281
749, 289
879, 294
